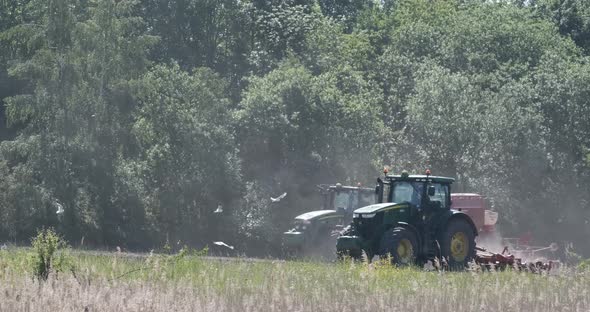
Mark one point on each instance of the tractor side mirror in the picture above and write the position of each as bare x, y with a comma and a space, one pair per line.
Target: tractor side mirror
431, 190
378, 186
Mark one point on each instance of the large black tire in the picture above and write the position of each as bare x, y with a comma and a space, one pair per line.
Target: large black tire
400, 245
458, 244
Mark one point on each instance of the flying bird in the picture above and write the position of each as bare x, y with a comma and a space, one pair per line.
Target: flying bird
60, 208
224, 245
219, 209
278, 199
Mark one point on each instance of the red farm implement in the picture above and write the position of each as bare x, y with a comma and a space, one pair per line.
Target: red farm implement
522, 255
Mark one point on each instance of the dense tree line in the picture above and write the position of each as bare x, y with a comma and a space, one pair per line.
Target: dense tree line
139, 118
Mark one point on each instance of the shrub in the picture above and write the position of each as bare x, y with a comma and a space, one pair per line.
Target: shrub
50, 254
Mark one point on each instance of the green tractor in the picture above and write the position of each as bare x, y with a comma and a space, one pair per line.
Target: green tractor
412, 223
312, 232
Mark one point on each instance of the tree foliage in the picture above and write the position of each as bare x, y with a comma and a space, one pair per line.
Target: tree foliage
136, 120
186, 160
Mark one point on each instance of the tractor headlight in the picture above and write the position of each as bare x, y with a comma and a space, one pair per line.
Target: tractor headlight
368, 215
356, 215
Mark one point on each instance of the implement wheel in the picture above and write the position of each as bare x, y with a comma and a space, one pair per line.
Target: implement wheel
400, 245
458, 244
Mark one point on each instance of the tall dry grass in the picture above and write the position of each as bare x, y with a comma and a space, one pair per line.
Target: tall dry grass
193, 284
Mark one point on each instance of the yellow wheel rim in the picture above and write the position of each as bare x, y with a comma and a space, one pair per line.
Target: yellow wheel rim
459, 246
405, 251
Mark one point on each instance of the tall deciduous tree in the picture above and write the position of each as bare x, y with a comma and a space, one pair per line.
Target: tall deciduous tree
77, 71
572, 17
138, 119
187, 160
303, 129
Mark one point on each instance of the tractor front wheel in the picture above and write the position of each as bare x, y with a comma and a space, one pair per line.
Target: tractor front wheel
458, 244
400, 246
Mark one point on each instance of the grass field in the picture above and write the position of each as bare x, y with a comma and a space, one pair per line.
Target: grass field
115, 282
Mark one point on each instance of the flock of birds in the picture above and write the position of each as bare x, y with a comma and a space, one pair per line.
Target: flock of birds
220, 210
60, 212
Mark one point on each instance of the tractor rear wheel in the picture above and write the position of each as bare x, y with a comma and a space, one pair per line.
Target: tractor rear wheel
458, 244
400, 245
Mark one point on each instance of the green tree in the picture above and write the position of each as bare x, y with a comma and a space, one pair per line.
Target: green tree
346, 10
280, 32
462, 95
77, 71
561, 89
208, 33
572, 17
10, 18
43, 111
327, 47
255, 222
187, 162
297, 129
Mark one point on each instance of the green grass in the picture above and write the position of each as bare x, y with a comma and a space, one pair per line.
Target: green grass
194, 283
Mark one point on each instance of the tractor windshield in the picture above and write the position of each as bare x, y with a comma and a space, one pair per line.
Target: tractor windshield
361, 199
365, 199
410, 192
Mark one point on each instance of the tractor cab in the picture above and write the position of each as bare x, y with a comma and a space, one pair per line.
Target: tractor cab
412, 222
425, 193
345, 199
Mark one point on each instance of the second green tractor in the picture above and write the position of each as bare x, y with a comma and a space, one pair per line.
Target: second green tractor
312, 234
